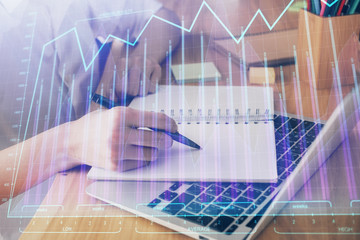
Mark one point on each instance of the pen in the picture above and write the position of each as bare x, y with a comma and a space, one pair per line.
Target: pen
323, 6
317, 6
335, 8
341, 7
106, 102
327, 8
353, 7
309, 5
179, 138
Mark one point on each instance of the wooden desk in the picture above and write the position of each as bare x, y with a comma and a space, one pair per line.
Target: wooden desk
68, 190
85, 218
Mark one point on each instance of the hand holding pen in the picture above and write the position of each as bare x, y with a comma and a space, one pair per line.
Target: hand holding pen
115, 140
176, 136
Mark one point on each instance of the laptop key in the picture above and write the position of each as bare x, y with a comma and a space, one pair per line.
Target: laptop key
221, 223
252, 193
241, 219
173, 208
279, 181
251, 209
178, 203
167, 195
280, 150
252, 223
261, 186
285, 175
309, 141
222, 201
291, 156
284, 163
154, 202
284, 144
214, 190
205, 198
269, 191
291, 168
213, 210
283, 130
233, 211
315, 130
243, 202
202, 220
278, 137
194, 207
295, 150
231, 229
280, 170
240, 186
308, 125
232, 193
293, 122
260, 200
175, 186
277, 123
183, 198
310, 135
195, 189
318, 128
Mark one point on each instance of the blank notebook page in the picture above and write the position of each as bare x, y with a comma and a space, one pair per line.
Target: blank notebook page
233, 125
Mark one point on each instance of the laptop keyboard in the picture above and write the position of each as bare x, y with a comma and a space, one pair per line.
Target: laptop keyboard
223, 206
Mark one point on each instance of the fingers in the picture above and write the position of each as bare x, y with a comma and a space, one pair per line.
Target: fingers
132, 152
134, 81
135, 118
148, 138
155, 78
144, 86
141, 79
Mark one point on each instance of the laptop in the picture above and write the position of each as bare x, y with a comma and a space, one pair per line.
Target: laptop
237, 210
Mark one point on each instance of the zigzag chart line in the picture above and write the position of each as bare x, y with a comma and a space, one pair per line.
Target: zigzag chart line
329, 5
203, 5
74, 30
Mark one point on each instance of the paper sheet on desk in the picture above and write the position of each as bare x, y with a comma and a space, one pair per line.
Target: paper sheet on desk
230, 151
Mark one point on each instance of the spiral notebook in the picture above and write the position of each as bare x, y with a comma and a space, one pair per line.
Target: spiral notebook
233, 125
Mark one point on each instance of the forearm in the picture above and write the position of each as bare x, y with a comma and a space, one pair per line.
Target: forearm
34, 161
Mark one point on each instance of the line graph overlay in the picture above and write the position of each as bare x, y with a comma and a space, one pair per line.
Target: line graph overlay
329, 4
110, 36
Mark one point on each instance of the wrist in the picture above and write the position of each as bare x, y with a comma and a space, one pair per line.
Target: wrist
68, 145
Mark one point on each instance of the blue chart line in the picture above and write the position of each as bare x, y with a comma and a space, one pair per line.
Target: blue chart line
203, 5
329, 5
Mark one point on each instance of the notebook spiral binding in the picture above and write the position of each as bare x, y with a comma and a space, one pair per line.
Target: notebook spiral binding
220, 117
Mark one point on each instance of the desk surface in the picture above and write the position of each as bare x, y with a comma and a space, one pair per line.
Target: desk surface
68, 190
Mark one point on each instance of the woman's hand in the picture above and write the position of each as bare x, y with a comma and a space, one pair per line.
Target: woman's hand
135, 76
113, 139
